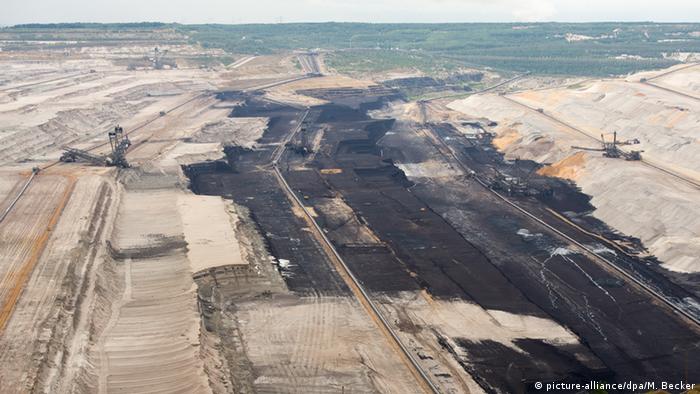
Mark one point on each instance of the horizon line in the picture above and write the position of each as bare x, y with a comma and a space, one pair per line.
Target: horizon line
39, 24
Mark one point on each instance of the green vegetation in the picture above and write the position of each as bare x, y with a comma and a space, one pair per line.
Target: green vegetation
208, 61
591, 49
97, 26
371, 60
67, 35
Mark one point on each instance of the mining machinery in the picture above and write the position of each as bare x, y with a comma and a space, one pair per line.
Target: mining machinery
611, 148
158, 58
509, 184
119, 143
303, 147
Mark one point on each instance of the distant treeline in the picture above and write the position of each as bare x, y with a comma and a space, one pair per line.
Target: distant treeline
588, 49
93, 26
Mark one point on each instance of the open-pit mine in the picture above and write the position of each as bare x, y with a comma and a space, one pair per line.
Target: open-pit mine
271, 225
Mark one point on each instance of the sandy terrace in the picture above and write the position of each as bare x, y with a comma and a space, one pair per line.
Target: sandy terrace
10, 181
267, 66
621, 190
29, 339
685, 81
151, 339
232, 131
76, 108
25, 223
208, 227
151, 335
663, 122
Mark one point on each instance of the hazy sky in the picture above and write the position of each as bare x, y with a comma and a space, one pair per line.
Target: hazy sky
266, 11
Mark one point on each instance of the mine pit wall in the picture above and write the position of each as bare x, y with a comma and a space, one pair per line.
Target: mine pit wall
382, 192
78, 125
396, 261
449, 199
108, 287
277, 322
71, 266
662, 122
141, 276
567, 201
276, 325
85, 278
263, 196
221, 333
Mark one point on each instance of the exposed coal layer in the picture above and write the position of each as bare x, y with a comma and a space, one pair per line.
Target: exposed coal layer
354, 97
559, 194
375, 265
248, 182
232, 95
533, 358
457, 241
618, 322
566, 198
452, 238
422, 241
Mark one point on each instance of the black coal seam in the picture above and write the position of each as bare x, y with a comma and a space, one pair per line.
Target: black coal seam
471, 371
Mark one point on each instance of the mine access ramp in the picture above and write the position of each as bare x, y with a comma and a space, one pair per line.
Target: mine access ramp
119, 143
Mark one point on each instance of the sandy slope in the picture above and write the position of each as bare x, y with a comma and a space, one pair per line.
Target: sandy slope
629, 196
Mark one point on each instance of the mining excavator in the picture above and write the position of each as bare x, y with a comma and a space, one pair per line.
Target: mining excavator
157, 59
118, 141
611, 149
303, 146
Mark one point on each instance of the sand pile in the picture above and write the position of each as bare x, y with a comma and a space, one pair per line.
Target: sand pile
567, 168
